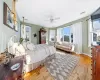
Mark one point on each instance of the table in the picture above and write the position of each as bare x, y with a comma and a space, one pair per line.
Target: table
7, 74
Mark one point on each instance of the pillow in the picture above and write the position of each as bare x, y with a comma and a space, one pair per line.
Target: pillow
57, 43
21, 49
13, 48
65, 44
31, 46
25, 45
60, 42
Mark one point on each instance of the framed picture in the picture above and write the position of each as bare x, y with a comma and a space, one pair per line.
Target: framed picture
8, 16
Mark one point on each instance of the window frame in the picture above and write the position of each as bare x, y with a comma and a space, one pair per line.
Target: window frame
65, 34
69, 36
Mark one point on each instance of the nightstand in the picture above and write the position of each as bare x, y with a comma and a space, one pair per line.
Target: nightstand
8, 74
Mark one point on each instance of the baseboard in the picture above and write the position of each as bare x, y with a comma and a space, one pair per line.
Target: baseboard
87, 54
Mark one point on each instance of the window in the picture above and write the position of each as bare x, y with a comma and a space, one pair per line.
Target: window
26, 32
96, 24
72, 34
52, 35
64, 34
96, 31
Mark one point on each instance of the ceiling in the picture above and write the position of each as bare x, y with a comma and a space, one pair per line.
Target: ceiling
39, 11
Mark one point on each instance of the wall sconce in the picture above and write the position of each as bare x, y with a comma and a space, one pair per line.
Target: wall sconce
35, 35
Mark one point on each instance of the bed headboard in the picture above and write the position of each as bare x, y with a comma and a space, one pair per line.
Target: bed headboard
12, 40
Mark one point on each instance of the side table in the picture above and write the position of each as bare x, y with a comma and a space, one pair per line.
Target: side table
8, 74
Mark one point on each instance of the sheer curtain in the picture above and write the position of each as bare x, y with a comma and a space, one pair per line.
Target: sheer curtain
90, 33
59, 34
52, 35
76, 29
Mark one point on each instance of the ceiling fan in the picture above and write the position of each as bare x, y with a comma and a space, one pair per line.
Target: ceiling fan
52, 19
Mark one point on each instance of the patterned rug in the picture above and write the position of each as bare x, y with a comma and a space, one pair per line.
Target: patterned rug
62, 66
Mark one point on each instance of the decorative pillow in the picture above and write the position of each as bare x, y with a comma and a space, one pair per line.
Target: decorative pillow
13, 48
25, 45
31, 46
60, 42
21, 49
65, 44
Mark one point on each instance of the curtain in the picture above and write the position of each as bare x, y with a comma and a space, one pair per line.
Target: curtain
90, 33
76, 29
59, 34
52, 35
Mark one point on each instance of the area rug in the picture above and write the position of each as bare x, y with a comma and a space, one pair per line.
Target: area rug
62, 66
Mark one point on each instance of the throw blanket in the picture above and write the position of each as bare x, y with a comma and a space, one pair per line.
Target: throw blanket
41, 52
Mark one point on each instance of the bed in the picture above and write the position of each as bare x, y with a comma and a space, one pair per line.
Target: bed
35, 55
38, 56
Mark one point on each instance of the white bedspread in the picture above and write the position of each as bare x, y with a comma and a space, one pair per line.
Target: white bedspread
40, 53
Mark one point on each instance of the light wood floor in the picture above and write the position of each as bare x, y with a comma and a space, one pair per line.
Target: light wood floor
81, 72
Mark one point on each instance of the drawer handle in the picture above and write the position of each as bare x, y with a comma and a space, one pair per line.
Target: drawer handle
94, 63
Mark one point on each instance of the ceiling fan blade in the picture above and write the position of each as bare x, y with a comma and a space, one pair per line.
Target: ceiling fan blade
56, 18
47, 20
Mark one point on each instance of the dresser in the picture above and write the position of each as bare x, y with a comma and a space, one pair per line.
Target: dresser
96, 63
42, 37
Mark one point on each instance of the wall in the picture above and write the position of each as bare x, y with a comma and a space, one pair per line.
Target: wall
34, 29
5, 32
77, 36
85, 48
85, 36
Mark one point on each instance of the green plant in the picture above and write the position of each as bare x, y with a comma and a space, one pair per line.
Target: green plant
21, 40
43, 29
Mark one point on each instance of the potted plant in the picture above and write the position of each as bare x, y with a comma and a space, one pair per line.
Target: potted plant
21, 40
43, 29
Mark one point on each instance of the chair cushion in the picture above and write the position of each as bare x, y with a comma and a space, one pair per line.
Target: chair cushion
65, 46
